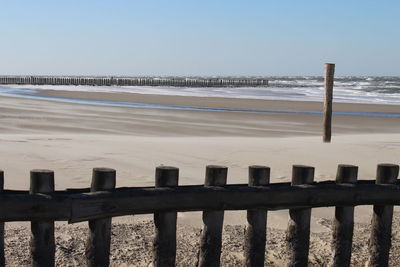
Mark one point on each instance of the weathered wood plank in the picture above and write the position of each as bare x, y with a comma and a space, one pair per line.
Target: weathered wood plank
343, 223
298, 232
75, 207
164, 247
211, 235
381, 225
99, 239
255, 238
42, 244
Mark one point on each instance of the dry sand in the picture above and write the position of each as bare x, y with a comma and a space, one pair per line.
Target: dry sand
71, 139
131, 245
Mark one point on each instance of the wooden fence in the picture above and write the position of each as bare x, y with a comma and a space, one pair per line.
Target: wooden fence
97, 205
134, 81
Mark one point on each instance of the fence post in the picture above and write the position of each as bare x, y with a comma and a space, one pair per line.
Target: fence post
381, 232
164, 249
343, 223
327, 119
211, 235
298, 232
254, 248
42, 242
99, 239
2, 259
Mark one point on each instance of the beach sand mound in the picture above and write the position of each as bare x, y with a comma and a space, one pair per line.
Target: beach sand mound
132, 245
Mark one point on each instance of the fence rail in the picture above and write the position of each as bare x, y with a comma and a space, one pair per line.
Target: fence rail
98, 204
134, 81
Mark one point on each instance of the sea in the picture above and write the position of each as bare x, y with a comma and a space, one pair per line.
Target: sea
366, 89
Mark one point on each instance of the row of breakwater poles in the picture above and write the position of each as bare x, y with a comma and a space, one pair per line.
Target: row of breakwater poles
133, 81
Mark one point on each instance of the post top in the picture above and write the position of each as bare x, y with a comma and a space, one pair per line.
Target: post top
347, 166
167, 176
388, 165
259, 175
387, 173
216, 167
302, 174
103, 179
258, 167
216, 175
41, 171
162, 167
103, 169
41, 181
300, 166
347, 173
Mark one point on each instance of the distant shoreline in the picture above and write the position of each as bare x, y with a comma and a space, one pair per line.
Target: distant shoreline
367, 90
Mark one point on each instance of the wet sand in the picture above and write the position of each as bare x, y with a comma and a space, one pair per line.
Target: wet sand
219, 101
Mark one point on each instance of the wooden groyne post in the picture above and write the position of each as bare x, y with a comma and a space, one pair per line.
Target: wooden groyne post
164, 246
327, 119
381, 224
298, 231
255, 238
99, 239
211, 235
343, 223
134, 81
42, 242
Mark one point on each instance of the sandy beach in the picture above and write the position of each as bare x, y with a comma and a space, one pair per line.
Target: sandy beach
71, 139
199, 88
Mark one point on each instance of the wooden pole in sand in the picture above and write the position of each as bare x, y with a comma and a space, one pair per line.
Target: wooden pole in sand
298, 232
211, 236
327, 119
381, 225
42, 232
254, 247
164, 248
343, 223
99, 239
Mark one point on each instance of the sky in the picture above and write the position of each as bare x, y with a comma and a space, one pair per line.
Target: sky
207, 37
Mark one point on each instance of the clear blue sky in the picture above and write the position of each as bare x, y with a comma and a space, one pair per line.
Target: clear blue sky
207, 37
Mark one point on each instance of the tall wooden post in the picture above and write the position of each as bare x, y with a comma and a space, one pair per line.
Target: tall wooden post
42, 232
327, 120
211, 236
343, 222
99, 239
164, 249
381, 224
255, 238
298, 232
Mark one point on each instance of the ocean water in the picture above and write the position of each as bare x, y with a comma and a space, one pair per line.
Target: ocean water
375, 90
